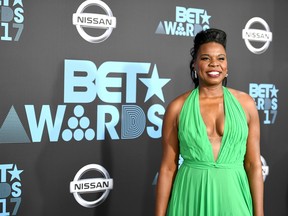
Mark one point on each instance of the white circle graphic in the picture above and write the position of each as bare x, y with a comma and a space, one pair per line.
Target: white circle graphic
103, 185
97, 21
249, 34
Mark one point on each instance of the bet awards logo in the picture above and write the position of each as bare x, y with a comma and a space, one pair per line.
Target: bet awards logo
188, 22
10, 189
11, 20
102, 22
257, 35
116, 115
102, 185
265, 97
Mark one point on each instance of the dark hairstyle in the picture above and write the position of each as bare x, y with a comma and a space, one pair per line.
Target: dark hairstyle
209, 35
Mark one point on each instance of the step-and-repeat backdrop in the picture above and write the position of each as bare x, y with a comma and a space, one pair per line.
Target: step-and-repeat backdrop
85, 83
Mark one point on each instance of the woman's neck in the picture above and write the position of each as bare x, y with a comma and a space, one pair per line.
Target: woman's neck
210, 91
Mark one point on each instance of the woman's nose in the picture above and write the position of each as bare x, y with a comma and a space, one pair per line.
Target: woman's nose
213, 63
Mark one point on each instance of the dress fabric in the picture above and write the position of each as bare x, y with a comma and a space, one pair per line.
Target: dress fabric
203, 186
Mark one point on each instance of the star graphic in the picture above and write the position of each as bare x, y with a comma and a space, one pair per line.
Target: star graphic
154, 85
15, 173
205, 18
18, 2
274, 91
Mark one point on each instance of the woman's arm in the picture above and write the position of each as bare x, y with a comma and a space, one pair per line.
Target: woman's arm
252, 161
170, 155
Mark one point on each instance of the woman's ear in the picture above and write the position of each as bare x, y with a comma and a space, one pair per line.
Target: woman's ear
194, 66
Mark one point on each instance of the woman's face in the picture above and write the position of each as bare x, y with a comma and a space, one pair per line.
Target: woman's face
211, 64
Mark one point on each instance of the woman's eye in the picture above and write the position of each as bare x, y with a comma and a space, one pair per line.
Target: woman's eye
204, 58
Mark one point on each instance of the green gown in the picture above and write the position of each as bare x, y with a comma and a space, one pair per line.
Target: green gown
203, 186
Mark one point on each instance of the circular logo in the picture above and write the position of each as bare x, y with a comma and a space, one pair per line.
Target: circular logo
91, 185
258, 35
265, 168
96, 21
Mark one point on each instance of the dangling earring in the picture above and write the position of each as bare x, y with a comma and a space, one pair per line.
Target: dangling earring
226, 73
195, 74
224, 82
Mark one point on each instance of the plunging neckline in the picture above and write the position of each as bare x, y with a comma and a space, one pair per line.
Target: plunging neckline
205, 127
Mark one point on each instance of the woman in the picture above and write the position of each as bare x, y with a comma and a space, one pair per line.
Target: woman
216, 130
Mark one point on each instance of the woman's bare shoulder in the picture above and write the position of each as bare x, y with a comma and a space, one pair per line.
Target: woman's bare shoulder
245, 100
242, 97
176, 104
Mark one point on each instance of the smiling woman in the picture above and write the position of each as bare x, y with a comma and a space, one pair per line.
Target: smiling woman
211, 64
216, 131
215, 38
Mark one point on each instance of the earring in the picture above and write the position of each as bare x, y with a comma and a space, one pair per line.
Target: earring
226, 75
195, 74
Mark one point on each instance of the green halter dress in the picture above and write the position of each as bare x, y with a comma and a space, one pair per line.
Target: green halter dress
203, 186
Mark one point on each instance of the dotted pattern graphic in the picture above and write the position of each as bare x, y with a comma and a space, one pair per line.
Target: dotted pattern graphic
78, 127
180, 30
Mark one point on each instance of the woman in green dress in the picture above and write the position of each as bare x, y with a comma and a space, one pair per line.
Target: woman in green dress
216, 130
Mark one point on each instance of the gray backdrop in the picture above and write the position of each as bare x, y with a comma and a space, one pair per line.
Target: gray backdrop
67, 103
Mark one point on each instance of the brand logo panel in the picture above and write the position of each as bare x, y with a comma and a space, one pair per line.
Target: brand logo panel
10, 189
118, 114
11, 20
80, 185
98, 22
262, 36
188, 22
266, 99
